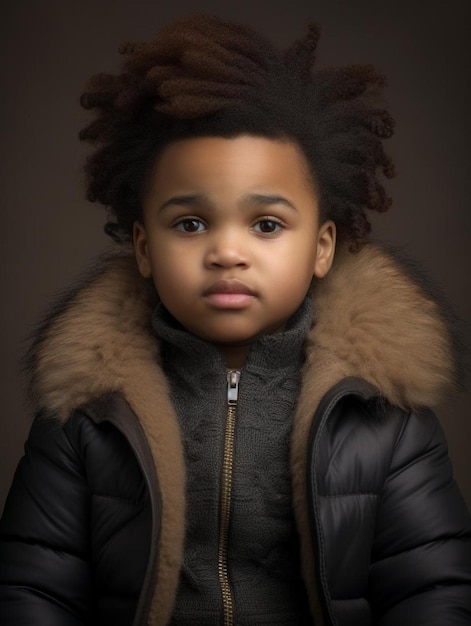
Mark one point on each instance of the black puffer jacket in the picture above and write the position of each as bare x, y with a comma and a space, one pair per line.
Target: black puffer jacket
93, 528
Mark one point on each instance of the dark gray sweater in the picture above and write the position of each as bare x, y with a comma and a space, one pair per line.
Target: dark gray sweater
263, 548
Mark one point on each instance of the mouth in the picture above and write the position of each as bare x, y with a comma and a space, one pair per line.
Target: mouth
229, 294
229, 286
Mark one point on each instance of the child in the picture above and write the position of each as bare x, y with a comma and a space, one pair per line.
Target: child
231, 421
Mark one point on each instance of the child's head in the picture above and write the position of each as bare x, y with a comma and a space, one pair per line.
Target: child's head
216, 151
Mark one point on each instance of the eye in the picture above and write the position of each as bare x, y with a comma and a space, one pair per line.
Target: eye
190, 225
268, 226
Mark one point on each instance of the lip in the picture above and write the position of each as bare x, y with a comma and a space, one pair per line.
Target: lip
229, 294
229, 286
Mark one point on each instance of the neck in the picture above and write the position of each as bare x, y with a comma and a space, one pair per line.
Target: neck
234, 356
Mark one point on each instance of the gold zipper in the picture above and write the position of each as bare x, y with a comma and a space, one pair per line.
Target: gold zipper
233, 377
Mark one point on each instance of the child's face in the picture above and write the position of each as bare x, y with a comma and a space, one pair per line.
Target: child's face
231, 238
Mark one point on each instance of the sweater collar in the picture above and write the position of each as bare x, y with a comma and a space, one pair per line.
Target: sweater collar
275, 351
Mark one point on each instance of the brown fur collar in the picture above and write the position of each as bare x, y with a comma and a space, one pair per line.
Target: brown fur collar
370, 321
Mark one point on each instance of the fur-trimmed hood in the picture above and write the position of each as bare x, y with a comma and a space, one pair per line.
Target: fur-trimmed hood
371, 320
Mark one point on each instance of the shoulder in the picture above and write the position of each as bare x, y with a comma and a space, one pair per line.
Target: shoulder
94, 339
390, 466
360, 441
376, 320
86, 448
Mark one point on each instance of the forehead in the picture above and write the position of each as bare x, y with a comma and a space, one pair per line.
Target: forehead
244, 162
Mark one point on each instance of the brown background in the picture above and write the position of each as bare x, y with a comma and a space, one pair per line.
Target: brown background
50, 48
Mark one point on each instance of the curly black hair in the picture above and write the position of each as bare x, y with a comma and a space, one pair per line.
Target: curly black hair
203, 76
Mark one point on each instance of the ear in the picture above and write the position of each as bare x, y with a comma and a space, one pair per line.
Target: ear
326, 238
141, 249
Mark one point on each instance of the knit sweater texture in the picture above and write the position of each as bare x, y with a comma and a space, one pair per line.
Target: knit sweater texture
263, 548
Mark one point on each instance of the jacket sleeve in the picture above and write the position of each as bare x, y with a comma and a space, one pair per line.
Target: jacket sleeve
421, 570
44, 571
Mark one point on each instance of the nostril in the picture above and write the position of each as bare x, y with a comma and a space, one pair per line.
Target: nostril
226, 257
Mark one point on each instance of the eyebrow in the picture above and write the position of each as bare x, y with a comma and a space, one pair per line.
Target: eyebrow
181, 201
267, 199
258, 198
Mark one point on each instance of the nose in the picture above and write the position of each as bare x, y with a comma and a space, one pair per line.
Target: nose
227, 248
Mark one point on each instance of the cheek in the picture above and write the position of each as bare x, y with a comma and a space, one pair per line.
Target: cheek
290, 280
293, 288
295, 262
172, 275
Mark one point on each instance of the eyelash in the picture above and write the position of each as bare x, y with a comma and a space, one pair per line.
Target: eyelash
270, 220
179, 225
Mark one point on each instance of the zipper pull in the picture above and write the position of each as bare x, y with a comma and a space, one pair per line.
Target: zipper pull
233, 377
